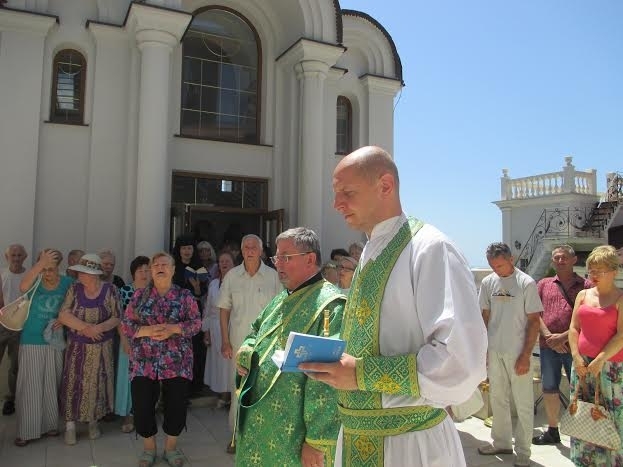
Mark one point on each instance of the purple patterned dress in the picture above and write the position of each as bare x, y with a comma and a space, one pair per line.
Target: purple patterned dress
87, 387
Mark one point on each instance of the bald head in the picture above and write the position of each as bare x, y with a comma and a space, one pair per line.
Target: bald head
365, 184
371, 162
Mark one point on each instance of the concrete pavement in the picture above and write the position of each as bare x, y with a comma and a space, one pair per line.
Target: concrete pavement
204, 445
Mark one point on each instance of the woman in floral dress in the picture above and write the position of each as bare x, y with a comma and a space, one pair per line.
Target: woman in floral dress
160, 322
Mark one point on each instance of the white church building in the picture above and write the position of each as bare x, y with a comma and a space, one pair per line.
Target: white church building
125, 124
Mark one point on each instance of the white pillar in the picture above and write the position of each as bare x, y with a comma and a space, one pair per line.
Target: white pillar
311, 62
380, 98
311, 75
22, 45
158, 31
153, 164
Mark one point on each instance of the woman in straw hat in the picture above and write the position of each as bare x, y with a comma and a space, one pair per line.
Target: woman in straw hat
91, 314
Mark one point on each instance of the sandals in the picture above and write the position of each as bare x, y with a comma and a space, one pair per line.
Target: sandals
127, 427
147, 459
174, 458
20, 442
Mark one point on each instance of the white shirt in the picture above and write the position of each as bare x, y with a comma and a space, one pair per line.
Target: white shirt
430, 309
246, 296
10, 285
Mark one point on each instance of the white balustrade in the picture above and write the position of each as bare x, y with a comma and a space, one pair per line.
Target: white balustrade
568, 180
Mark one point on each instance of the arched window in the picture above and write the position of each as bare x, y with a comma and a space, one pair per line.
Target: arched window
68, 79
220, 78
344, 126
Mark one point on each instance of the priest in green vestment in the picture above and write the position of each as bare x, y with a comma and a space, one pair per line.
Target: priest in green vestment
288, 419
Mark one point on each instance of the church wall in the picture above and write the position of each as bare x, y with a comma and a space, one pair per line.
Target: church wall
83, 175
62, 187
217, 157
109, 121
19, 133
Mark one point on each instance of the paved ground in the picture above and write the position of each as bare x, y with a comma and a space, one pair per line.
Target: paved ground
204, 445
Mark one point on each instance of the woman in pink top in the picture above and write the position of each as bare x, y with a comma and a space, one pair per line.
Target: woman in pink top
596, 342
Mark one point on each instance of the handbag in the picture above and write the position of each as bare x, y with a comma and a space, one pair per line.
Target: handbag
54, 337
14, 315
588, 421
468, 408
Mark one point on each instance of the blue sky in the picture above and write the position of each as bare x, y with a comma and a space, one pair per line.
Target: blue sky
493, 84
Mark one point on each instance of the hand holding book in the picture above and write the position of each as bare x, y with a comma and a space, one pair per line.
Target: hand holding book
301, 348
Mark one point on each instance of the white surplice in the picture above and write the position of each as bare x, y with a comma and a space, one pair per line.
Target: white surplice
429, 308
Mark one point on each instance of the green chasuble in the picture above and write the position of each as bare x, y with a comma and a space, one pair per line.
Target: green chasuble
365, 421
283, 410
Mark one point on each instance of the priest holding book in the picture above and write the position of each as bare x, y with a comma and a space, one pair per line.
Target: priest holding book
286, 418
415, 339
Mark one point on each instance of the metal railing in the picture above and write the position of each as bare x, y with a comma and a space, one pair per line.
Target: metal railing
556, 223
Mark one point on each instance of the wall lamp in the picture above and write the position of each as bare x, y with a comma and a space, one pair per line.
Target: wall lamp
517, 245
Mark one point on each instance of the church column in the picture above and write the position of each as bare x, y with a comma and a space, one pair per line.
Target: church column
380, 99
22, 45
158, 32
311, 62
311, 75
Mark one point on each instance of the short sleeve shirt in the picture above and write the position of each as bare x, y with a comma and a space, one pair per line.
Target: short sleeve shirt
44, 306
509, 301
556, 310
246, 296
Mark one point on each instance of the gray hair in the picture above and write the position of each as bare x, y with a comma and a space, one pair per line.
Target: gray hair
304, 239
566, 248
498, 249
15, 245
203, 245
259, 240
107, 253
163, 254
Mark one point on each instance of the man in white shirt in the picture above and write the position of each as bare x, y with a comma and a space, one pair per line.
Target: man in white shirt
11, 276
245, 291
415, 340
511, 310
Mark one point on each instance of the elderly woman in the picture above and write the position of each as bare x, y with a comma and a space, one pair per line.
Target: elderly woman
159, 323
141, 275
355, 250
217, 369
40, 364
91, 314
346, 269
596, 342
208, 259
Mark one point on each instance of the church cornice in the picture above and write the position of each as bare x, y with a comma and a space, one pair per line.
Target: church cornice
390, 40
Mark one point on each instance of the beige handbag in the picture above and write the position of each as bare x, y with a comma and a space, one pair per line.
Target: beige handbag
14, 315
589, 422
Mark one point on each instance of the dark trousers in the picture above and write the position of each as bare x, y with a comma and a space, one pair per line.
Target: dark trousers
9, 342
145, 394
199, 362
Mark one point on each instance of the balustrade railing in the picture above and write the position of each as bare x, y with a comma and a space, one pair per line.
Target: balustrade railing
568, 180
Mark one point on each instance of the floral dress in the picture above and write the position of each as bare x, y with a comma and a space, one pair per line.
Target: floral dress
169, 358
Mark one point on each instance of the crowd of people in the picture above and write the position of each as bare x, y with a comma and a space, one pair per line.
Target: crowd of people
419, 339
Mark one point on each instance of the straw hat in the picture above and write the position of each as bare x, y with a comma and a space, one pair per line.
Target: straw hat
89, 264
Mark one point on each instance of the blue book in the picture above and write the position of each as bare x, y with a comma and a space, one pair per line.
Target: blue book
302, 348
200, 274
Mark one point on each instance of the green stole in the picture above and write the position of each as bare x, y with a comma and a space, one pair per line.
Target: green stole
365, 421
309, 304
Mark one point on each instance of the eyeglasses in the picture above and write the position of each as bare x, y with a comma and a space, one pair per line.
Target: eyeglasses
339, 268
598, 273
286, 258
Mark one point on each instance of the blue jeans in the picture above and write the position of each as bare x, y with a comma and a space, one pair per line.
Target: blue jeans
551, 366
